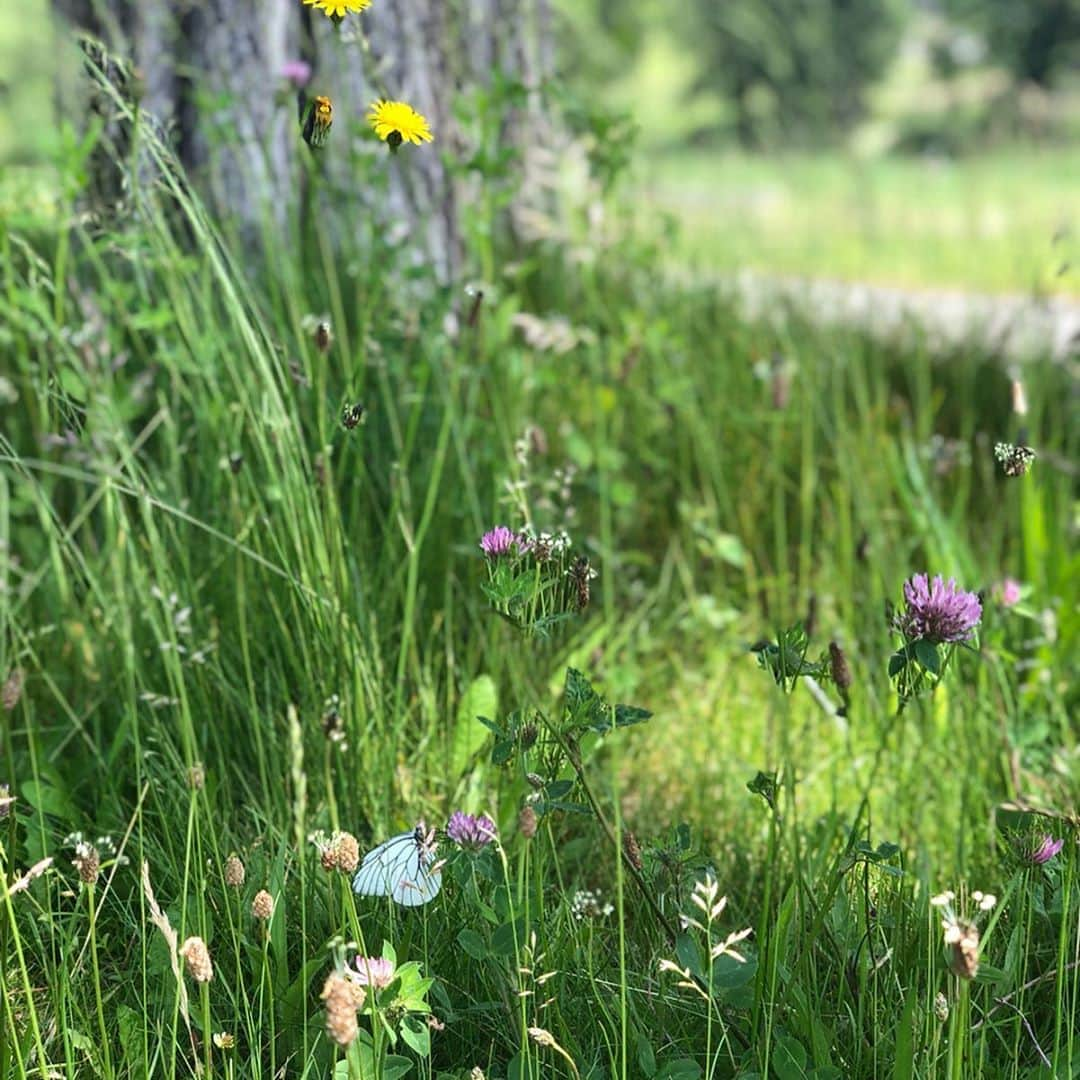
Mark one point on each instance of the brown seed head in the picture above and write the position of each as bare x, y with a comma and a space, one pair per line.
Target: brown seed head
964, 955
234, 872
13, 688
196, 776
527, 822
346, 852
838, 666
338, 993
632, 849
88, 862
197, 958
262, 907
328, 858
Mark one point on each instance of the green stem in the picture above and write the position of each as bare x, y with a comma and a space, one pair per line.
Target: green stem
102, 1029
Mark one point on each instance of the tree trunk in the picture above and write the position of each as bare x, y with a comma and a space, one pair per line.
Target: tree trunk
211, 73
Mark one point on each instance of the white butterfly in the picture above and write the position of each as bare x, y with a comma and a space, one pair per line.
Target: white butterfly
402, 868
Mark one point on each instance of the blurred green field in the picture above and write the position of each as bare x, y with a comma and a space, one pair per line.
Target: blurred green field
1006, 221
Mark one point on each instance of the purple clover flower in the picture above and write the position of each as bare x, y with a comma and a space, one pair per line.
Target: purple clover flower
1007, 592
298, 72
373, 971
470, 831
1044, 850
938, 611
497, 541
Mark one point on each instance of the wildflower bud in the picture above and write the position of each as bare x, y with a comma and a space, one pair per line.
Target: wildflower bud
88, 862
341, 1023
346, 852
527, 822
323, 337
838, 667
328, 858
196, 777
197, 958
12, 689
941, 1007
632, 849
536, 781
224, 1040
234, 872
529, 734
262, 907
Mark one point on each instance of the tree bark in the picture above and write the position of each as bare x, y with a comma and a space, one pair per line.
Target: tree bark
210, 72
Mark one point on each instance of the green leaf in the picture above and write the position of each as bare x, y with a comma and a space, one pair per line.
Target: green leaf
789, 1059
897, 663
645, 1056
680, 1069
926, 652
558, 789
472, 944
688, 953
504, 938
394, 1065
417, 1035
903, 1053
480, 699
729, 973
764, 784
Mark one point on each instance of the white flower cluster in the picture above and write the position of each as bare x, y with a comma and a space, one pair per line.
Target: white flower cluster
588, 904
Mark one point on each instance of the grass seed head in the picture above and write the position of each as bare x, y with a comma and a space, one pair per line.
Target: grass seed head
527, 822
13, 688
87, 861
262, 907
340, 997
197, 957
234, 872
345, 851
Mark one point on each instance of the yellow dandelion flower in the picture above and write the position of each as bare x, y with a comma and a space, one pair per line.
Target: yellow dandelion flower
395, 122
338, 9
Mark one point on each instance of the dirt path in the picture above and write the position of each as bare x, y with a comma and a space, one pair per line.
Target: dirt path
1018, 327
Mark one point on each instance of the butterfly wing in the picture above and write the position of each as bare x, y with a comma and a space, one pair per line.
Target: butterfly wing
401, 869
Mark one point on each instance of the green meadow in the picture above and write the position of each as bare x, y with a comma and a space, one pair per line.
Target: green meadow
246, 620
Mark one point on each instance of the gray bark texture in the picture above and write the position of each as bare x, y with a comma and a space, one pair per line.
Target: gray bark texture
209, 72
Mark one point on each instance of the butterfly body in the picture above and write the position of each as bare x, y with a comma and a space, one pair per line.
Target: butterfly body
403, 868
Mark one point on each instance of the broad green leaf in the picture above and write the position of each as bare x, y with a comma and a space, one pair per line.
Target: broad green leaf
472, 944
927, 654
470, 732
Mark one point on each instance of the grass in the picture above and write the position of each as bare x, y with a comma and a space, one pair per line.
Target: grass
205, 573
1003, 221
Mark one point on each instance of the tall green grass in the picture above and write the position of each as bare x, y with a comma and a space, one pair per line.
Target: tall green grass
198, 556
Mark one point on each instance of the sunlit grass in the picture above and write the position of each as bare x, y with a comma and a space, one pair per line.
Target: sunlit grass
1005, 221
205, 573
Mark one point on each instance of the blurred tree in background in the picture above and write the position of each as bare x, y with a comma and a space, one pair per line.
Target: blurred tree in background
213, 73
792, 69
1035, 40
